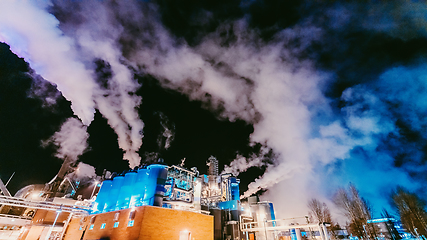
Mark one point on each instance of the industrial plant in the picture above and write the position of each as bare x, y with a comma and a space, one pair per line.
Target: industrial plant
149, 202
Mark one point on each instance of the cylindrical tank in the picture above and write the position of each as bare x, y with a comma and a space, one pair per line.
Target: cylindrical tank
234, 189
139, 190
155, 187
114, 194
126, 190
263, 211
103, 195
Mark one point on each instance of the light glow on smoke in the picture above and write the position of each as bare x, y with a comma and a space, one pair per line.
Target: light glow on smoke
278, 85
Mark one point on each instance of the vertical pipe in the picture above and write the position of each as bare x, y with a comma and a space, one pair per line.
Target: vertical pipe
298, 233
54, 222
265, 229
65, 226
321, 232
325, 231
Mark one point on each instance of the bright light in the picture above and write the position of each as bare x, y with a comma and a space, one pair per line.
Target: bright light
35, 195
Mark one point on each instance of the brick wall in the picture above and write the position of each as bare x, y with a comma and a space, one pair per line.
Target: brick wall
48, 217
150, 223
163, 223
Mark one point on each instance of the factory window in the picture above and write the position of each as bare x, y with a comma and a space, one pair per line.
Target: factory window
116, 216
130, 223
132, 215
103, 226
116, 224
91, 227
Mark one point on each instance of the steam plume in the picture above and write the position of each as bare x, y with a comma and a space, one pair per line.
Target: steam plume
33, 33
279, 84
71, 140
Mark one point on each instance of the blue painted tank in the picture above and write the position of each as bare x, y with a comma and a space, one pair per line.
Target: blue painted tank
139, 189
126, 190
155, 183
234, 188
114, 194
102, 196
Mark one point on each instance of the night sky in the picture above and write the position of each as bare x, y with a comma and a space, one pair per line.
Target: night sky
297, 99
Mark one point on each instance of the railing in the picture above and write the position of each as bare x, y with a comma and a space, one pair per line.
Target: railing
273, 225
21, 202
16, 217
284, 224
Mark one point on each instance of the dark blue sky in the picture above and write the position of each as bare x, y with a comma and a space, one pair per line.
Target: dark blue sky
304, 97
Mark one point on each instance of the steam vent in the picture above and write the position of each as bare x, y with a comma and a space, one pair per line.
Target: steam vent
149, 202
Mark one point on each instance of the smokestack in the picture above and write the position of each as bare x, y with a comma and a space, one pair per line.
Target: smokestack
212, 163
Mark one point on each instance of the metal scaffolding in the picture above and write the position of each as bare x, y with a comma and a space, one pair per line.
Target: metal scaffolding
21, 202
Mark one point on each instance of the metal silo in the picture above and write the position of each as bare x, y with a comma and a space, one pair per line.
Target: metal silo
126, 190
103, 195
155, 187
114, 194
138, 192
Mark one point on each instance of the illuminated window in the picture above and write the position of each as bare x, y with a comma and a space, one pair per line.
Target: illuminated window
130, 223
103, 226
116, 216
116, 224
185, 235
91, 227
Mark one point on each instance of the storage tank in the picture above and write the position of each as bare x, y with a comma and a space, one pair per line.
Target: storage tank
234, 188
103, 195
137, 198
126, 190
155, 186
114, 194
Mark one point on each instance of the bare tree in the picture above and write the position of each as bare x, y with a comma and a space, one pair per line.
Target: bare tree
357, 210
319, 211
411, 210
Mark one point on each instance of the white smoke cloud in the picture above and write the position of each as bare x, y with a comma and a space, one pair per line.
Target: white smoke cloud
249, 79
83, 172
71, 139
168, 132
263, 83
281, 95
33, 33
241, 164
97, 39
